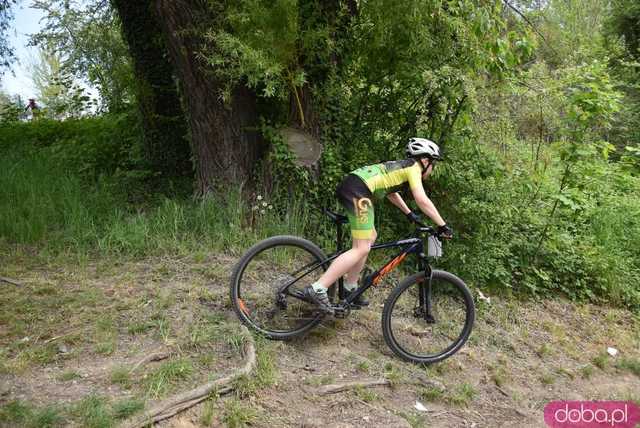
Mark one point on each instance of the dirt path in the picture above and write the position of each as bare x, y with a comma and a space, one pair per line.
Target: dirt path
70, 336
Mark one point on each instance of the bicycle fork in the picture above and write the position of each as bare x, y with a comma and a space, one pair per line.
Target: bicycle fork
424, 309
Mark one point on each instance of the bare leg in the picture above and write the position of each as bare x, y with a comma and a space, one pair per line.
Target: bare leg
346, 262
353, 274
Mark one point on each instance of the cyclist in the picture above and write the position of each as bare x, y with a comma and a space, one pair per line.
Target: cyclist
356, 193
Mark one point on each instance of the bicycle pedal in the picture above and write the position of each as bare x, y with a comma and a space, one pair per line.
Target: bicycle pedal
358, 307
341, 311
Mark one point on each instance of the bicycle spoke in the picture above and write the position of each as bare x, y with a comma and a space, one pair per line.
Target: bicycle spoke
263, 305
416, 339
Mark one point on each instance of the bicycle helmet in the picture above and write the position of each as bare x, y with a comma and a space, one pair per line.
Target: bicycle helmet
423, 148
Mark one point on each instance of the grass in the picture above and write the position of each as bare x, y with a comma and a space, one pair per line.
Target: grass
431, 394
547, 379
462, 395
126, 408
629, 364
365, 394
320, 380
415, 420
121, 376
160, 381
208, 413
94, 412
139, 327
68, 376
601, 360
238, 415
586, 371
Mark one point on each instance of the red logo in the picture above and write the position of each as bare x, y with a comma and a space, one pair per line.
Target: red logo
591, 414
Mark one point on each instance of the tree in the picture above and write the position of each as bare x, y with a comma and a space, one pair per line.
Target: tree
223, 133
6, 52
163, 121
61, 95
88, 39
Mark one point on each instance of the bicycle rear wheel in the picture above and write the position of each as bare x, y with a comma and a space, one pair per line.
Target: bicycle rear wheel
417, 338
259, 275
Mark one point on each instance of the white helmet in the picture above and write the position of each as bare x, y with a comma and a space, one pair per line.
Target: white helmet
423, 148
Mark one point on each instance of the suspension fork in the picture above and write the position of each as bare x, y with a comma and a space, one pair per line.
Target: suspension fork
425, 310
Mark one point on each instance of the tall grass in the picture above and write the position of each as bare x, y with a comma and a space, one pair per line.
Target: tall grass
50, 208
41, 203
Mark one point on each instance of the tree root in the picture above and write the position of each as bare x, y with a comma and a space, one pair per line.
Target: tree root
343, 386
182, 401
368, 383
156, 356
10, 281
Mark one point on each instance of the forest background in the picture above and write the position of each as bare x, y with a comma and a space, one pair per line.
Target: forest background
535, 103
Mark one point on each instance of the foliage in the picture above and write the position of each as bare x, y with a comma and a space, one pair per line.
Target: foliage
538, 125
87, 36
6, 16
62, 97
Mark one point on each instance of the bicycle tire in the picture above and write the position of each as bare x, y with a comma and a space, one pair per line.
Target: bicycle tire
395, 331
241, 283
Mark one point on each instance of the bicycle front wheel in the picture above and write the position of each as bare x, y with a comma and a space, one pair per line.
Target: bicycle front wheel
430, 336
257, 280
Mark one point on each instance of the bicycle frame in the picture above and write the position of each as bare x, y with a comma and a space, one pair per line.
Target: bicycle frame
409, 246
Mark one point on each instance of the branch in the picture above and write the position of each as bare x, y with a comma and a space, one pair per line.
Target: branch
10, 281
531, 25
368, 383
344, 386
156, 356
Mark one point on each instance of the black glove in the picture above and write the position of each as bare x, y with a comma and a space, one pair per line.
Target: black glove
413, 217
445, 232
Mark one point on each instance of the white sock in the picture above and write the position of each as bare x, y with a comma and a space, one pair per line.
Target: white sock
318, 288
350, 287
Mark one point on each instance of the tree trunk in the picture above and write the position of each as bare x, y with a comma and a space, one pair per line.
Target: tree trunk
223, 137
163, 122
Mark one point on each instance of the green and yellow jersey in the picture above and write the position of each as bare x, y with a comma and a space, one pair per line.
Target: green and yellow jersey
391, 177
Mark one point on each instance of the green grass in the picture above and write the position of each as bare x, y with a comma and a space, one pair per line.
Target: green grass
161, 380
69, 375
208, 413
45, 204
94, 412
431, 393
121, 376
629, 364
586, 371
138, 327
462, 395
238, 415
415, 420
365, 394
125, 408
601, 361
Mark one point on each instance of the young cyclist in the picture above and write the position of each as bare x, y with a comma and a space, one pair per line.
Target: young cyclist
356, 193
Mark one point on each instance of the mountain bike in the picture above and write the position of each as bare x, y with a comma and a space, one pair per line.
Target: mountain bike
426, 318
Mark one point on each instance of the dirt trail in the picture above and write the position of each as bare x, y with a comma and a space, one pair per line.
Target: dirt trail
520, 356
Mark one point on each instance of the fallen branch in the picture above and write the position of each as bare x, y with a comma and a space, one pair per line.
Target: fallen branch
180, 402
339, 387
368, 383
156, 356
10, 281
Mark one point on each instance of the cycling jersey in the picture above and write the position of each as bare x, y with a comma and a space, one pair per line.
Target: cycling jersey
391, 177
358, 189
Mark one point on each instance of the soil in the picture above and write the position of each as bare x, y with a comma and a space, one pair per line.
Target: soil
521, 355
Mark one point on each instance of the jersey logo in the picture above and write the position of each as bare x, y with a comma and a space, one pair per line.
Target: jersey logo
362, 209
